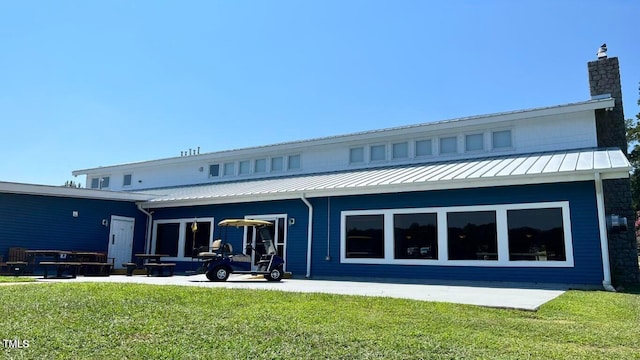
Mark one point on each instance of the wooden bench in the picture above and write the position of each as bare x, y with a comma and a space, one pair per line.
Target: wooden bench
159, 268
61, 267
16, 267
89, 268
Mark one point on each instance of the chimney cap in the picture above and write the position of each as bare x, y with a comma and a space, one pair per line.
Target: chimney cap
602, 52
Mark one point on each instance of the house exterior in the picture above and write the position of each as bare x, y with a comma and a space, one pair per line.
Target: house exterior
53, 217
536, 195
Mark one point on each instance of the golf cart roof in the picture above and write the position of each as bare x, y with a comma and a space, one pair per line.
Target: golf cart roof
243, 222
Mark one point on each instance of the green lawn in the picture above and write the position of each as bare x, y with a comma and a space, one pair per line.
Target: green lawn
15, 279
118, 321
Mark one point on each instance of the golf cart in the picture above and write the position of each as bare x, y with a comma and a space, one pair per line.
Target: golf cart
221, 261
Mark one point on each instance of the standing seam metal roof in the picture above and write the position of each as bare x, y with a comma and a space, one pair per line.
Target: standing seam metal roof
515, 169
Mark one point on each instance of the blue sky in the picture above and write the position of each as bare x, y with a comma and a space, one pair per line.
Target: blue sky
95, 83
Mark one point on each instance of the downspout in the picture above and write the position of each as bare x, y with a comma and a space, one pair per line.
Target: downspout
309, 234
604, 239
147, 230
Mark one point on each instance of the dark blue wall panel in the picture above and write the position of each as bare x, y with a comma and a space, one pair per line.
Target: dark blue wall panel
326, 231
296, 234
585, 233
46, 222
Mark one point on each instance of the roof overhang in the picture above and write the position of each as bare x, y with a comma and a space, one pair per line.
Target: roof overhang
70, 192
541, 168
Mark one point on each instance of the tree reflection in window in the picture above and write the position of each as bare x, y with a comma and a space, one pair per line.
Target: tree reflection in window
415, 236
472, 235
365, 236
536, 234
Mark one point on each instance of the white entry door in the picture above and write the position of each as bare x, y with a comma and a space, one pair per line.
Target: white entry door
121, 240
278, 233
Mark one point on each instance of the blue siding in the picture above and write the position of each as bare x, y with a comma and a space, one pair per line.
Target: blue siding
296, 234
581, 197
46, 222
585, 233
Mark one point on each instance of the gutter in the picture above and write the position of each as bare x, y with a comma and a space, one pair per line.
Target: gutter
309, 234
147, 230
604, 239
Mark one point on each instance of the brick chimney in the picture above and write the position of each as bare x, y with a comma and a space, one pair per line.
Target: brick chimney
604, 78
604, 81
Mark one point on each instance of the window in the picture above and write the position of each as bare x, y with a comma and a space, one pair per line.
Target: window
127, 180
501, 139
244, 167
400, 151
378, 153
176, 237
474, 142
167, 238
356, 155
276, 164
260, 166
294, 162
100, 182
365, 236
423, 148
448, 145
472, 235
504, 235
229, 169
198, 241
214, 170
536, 234
415, 236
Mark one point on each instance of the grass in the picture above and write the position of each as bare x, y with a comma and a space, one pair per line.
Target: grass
16, 279
118, 321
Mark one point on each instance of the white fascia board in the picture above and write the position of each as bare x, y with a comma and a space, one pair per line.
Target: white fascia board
546, 178
364, 136
63, 191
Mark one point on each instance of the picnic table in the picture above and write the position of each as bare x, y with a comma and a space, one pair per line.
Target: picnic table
152, 263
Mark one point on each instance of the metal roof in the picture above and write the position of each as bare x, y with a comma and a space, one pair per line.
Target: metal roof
560, 166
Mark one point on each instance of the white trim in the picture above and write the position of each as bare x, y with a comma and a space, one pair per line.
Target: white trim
501, 228
71, 192
181, 234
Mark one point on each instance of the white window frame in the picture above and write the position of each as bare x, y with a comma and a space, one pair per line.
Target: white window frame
184, 222
247, 164
275, 160
415, 148
447, 138
395, 156
229, 168
502, 234
466, 144
360, 161
384, 153
290, 159
124, 178
502, 148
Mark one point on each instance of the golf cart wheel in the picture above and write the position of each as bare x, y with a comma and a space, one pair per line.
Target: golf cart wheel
219, 273
275, 274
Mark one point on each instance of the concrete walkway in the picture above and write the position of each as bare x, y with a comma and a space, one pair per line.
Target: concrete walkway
514, 296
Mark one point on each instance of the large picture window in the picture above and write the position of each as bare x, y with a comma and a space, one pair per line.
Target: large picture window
472, 235
365, 236
517, 235
536, 234
415, 236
